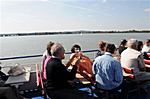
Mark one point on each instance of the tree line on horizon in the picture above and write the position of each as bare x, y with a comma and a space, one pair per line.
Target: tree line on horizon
73, 32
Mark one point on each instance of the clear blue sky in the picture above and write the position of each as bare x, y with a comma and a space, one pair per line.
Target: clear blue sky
67, 15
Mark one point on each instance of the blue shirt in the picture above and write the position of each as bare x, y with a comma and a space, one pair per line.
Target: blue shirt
107, 71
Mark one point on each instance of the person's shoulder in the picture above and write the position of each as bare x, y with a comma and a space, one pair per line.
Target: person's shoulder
51, 61
128, 51
117, 63
98, 58
137, 53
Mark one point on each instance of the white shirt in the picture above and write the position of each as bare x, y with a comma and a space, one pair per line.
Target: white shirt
132, 59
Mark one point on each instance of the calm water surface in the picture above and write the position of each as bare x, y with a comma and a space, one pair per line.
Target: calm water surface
35, 45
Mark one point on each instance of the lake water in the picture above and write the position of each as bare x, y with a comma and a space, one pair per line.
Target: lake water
36, 45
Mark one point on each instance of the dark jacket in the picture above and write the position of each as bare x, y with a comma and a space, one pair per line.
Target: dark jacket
58, 75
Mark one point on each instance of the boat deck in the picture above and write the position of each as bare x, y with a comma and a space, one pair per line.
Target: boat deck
30, 90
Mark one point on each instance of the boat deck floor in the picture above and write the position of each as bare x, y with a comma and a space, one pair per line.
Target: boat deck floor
31, 86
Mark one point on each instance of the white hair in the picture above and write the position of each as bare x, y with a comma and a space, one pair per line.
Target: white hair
56, 49
132, 43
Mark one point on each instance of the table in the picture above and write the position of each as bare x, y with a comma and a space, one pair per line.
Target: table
19, 79
82, 79
86, 83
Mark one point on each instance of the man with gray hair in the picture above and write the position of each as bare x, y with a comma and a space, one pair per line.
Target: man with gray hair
57, 74
131, 58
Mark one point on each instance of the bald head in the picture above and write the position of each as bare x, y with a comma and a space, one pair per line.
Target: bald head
132, 43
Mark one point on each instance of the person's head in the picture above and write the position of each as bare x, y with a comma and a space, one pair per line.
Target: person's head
147, 42
75, 48
123, 42
57, 50
139, 45
132, 43
49, 45
111, 48
102, 45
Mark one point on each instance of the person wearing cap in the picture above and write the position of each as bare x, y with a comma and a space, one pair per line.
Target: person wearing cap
132, 58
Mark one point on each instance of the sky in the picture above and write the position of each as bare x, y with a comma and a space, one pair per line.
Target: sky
17, 16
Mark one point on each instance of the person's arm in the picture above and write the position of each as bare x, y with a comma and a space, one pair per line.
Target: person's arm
94, 70
118, 73
115, 74
141, 63
65, 74
73, 59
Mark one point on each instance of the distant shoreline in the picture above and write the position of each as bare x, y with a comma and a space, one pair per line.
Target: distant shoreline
72, 32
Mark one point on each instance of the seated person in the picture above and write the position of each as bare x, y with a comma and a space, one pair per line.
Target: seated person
139, 48
131, 58
108, 71
146, 47
102, 47
46, 57
57, 83
122, 46
83, 63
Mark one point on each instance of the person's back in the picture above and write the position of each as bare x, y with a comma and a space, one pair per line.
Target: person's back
107, 70
58, 86
57, 74
106, 76
132, 58
129, 58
